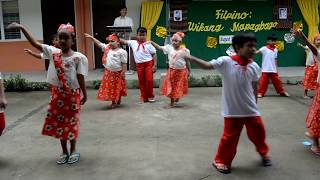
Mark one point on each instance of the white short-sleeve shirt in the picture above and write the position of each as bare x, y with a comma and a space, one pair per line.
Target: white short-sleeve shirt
123, 22
269, 59
143, 52
115, 58
309, 57
238, 98
175, 56
75, 64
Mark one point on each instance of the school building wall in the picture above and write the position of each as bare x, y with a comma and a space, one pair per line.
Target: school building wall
13, 58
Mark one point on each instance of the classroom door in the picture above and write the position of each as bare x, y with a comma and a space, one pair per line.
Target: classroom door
51, 20
103, 13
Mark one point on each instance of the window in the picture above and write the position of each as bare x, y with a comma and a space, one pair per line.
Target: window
9, 12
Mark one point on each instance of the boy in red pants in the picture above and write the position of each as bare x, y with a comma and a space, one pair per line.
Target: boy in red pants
3, 104
146, 59
269, 68
239, 99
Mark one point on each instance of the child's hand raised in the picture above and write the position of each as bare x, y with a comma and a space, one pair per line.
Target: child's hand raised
86, 35
27, 51
14, 25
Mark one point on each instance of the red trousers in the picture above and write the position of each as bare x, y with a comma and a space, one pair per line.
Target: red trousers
145, 76
264, 81
2, 122
232, 129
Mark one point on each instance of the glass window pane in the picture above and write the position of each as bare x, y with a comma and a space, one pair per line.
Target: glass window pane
10, 12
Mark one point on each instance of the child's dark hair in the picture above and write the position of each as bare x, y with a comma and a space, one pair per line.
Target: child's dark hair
54, 36
123, 7
241, 38
141, 30
272, 37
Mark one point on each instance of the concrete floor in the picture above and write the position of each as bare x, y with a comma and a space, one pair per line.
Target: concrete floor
149, 142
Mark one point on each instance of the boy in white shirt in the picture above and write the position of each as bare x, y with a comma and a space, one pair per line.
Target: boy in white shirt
146, 59
269, 68
3, 104
240, 77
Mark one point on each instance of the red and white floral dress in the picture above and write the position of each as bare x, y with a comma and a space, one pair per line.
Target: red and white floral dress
63, 116
175, 83
113, 84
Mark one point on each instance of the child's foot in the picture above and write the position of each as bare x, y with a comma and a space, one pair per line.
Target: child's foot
74, 158
260, 96
152, 100
306, 97
285, 94
112, 106
266, 161
222, 168
63, 158
308, 135
315, 150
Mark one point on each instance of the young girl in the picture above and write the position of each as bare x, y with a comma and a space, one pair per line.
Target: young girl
3, 104
113, 84
239, 100
66, 73
311, 71
175, 84
313, 117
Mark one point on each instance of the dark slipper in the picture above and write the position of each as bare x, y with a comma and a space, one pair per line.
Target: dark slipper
266, 161
222, 168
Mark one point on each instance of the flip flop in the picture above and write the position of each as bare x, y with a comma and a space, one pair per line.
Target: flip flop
74, 158
222, 168
63, 158
266, 161
307, 143
316, 152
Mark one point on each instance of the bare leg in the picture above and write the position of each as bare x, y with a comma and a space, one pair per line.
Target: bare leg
64, 146
73, 146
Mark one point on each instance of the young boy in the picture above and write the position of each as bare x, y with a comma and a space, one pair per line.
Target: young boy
269, 68
3, 104
146, 59
239, 100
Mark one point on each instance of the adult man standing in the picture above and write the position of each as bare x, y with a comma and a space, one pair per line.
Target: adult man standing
124, 21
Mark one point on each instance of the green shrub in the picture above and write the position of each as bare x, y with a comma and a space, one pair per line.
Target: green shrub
19, 84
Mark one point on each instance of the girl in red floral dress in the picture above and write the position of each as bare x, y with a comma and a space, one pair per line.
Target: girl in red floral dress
311, 71
313, 117
175, 84
113, 84
66, 73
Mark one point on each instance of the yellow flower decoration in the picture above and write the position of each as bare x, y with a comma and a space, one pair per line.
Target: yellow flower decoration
280, 46
161, 31
298, 25
212, 42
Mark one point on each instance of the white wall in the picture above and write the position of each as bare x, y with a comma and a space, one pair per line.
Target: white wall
134, 7
30, 16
